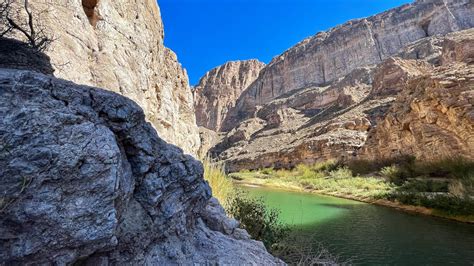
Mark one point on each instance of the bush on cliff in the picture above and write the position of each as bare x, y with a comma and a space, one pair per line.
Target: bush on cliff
261, 223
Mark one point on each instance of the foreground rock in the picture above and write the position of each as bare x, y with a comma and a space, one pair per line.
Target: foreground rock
84, 179
220, 88
118, 45
419, 102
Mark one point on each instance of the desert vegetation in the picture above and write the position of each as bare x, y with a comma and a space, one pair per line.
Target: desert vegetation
18, 19
445, 186
264, 223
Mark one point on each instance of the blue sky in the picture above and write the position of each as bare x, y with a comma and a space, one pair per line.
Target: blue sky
208, 33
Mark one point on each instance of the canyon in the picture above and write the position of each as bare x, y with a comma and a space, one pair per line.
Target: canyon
342, 94
88, 176
99, 132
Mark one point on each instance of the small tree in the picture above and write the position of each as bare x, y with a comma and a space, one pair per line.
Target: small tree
16, 17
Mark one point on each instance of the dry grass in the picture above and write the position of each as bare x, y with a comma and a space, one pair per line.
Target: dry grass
221, 185
433, 184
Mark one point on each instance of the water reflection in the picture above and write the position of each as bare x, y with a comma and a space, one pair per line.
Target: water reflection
373, 235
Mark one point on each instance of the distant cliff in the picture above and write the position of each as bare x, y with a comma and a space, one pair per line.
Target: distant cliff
330, 55
220, 88
345, 93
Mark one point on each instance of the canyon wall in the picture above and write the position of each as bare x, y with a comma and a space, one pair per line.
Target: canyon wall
118, 46
330, 55
220, 88
433, 115
418, 102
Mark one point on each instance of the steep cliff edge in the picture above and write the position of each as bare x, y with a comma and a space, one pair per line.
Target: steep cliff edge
85, 179
418, 102
118, 46
328, 56
220, 88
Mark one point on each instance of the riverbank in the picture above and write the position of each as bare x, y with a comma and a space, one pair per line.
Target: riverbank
367, 234
340, 183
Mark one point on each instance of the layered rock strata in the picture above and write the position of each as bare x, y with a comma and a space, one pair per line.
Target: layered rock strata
418, 102
328, 56
220, 88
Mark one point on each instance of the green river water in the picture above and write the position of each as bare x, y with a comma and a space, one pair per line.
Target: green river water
372, 235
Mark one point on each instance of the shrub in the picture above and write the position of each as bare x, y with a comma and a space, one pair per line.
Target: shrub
326, 166
456, 188
363, 167
394, 173
453, 167
341, 173
425, 186
267, 171
261, 223
221, 186
445, 203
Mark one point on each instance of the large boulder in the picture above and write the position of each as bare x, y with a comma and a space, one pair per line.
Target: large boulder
85, 179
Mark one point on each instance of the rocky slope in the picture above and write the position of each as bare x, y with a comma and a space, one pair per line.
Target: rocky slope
118, 46
433, 116
329, 56
418, 102
220, 88
85, 179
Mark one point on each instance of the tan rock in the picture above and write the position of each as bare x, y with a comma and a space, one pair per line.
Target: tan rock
118, 45
431, 118
401, 106
330, 55
220, 88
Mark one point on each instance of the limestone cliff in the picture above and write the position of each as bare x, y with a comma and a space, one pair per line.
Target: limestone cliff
220, 88
418, 102
118, 45
328, 56
433, 116
85, 180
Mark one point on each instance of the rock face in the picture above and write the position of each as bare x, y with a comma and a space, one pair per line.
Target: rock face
433, 116
118, 45
328, 56
220, 88
418, 102
85, 179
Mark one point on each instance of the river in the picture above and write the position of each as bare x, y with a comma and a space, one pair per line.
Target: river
368, 234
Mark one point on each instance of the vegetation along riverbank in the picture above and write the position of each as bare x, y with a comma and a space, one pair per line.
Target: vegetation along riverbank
442, 188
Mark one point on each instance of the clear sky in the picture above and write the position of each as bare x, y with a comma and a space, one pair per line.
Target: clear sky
208, 33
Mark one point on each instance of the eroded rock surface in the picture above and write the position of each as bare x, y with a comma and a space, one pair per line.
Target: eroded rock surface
118, 45
331, 55
432, 118
220, 88
407, 104
85, 179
